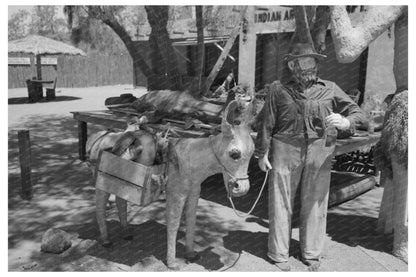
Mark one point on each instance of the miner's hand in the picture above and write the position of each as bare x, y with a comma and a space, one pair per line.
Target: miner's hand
264, 163
338, 121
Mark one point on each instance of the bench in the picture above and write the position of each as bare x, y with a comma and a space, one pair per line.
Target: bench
50, 92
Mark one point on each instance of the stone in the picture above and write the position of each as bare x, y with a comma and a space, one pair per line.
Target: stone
55, 241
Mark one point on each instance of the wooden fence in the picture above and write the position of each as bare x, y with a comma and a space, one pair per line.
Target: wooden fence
76, 71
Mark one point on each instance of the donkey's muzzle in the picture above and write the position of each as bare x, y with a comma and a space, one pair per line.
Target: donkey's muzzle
238, 188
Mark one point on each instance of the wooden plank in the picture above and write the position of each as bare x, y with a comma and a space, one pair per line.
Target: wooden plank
222, 49
355, 143
110, 122
348, 185
221, 59
25, 166
129, 171
119, 187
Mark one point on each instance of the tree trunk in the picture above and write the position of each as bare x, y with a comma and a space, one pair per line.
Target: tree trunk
400, 214
320, 26
385, 215
138, 60
349, 43
400, 67
158, 18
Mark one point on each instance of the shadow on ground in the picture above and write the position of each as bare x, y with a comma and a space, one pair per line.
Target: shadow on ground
25, 100
62, 191
342, 227
64, 198
149, 240
254, 243
356, 230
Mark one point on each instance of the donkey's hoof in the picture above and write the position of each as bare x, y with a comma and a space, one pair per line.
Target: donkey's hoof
128, 237
192, 257
173, 266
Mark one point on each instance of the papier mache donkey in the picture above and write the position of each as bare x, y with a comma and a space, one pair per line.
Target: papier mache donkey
192, 160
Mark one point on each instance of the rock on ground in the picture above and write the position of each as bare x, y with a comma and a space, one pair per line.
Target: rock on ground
55, 241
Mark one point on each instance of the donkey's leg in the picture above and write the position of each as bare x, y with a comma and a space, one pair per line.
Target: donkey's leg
191, 205
122, 215
101, 198
175, 202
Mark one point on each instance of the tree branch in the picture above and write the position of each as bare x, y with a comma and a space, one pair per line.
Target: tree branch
351, 41
107, 16
320, 26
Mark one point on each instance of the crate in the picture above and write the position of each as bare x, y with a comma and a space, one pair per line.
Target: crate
129, 180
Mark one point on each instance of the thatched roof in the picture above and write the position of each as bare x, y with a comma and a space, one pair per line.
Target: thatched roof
34, 44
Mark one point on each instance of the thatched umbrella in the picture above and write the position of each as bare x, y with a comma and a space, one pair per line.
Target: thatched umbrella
38, 46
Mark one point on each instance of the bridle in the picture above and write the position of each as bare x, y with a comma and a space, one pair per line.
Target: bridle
234, 179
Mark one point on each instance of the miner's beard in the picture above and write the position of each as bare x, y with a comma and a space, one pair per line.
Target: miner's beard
305, 78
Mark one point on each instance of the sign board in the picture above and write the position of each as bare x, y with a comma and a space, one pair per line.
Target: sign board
19, 60
280, 19
26, 61
49, 61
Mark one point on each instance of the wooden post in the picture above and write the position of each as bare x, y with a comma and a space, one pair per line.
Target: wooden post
25, 168
247, 52
38, 67
32, 66
82, 139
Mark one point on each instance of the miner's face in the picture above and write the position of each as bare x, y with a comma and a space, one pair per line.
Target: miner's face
304, 70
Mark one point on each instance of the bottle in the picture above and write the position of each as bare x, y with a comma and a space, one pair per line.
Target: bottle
331, 134
370, 128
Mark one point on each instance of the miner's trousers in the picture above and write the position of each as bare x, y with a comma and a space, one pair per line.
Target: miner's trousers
306, 163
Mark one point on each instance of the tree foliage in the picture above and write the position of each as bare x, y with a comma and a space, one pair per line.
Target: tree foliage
18, 25
45, 22
164, 73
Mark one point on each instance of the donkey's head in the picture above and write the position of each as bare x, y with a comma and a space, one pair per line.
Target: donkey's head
234, 148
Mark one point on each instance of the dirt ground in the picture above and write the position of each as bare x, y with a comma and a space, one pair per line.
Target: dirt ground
64, 198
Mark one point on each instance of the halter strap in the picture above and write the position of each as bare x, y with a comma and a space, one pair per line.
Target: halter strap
229, 196
233, 178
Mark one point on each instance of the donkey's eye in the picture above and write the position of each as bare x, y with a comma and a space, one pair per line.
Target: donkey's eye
235, 154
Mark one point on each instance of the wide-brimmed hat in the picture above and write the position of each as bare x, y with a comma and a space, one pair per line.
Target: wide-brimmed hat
299, 50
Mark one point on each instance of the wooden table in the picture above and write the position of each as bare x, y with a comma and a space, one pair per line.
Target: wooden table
119, 119
42, 81
34, 89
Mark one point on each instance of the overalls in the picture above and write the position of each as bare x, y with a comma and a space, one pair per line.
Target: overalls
293, 130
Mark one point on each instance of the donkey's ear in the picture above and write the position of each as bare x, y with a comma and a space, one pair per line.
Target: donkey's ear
248, 113
227, 124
